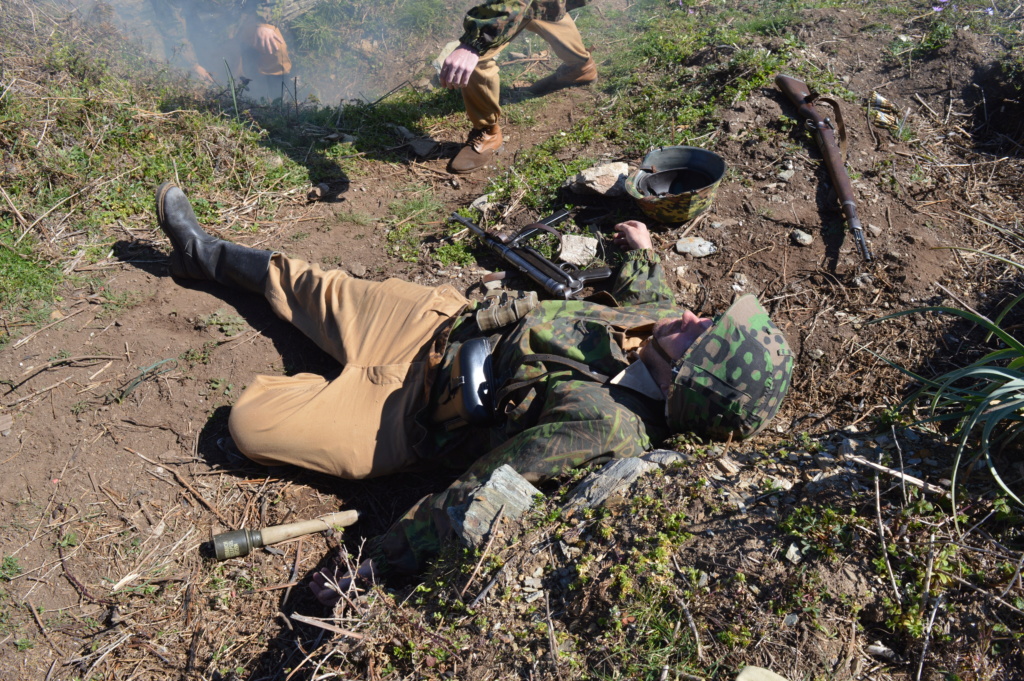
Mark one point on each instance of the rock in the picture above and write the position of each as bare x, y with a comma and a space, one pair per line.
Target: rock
665, 457
356, 270
722, 224
786, 175
505, 491
863, 281
739, 281
727, 466
608, 180
599, 486
793, 554
578, 250
791, 620
404, 132
750, 673
874, 230
801, 238
816, 354
849, 447
695, 247
482, 203
318, 193
6, 421
423, 146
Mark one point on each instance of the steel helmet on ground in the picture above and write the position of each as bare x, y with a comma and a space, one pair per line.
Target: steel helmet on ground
731, 381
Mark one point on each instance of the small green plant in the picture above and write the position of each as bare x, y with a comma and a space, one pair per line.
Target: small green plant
69, 539
23, 644
226, 323
199, 356
10, 568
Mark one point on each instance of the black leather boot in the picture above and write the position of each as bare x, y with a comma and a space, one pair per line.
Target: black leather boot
198, 255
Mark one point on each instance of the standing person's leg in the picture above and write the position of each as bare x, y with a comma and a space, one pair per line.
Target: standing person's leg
577, 67
388, 335
483, 108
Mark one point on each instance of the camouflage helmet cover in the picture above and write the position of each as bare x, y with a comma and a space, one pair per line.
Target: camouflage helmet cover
731, 381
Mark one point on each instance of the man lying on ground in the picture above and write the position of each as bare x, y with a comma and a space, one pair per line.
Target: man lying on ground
577, 383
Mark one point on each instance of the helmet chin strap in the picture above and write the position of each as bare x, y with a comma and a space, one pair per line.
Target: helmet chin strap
664, 355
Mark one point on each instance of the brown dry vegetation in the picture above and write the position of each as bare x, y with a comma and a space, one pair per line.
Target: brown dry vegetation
783, 552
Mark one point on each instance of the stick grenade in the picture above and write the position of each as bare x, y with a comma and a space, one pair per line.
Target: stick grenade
241, 542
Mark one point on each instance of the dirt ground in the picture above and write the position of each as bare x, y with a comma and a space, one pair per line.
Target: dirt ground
115, 464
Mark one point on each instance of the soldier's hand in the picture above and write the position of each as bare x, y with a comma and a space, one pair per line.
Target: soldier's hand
458, 67
327, 585
202, 73
268, 39
633, 235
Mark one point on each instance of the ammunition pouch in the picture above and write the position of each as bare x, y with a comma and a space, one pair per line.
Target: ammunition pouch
468, 399
502, 308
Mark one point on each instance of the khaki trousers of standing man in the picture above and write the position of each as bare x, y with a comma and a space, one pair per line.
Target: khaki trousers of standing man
387, 335
482, 94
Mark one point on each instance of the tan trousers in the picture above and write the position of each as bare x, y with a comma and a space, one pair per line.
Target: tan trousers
482, 94
387, 337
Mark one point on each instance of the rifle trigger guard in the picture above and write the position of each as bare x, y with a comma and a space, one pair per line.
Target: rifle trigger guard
839, 127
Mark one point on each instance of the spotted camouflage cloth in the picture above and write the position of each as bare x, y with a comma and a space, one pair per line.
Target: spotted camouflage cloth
565, 421
731, 381
494, 23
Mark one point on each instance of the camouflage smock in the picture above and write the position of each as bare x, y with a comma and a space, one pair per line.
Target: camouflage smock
565, 421
494, 23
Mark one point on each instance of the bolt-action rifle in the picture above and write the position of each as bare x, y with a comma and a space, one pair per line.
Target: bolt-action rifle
561, 281
824, 133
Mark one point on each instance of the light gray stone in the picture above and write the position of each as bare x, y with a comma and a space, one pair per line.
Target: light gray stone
801, 238
578, 250
608, 180
599, 486
506, 492
695, 247
751, 673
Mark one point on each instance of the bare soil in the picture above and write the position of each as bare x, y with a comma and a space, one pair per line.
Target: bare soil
116, 467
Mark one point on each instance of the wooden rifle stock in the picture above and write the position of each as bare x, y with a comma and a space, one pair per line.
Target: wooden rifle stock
824, 133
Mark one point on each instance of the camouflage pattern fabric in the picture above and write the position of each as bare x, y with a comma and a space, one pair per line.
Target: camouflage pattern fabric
673, 208
493, 24
563, 422
731, 381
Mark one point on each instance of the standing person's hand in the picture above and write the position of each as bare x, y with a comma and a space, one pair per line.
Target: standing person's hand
458, 67
268, 39
203, 74
632, 234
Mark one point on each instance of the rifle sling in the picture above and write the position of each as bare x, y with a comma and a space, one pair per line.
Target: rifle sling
840, 127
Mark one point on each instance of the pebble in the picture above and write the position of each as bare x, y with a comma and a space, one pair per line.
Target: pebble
791, 620
695, 247
801, 238
816, 354
863, 281
874, 230
786, 175
739, 281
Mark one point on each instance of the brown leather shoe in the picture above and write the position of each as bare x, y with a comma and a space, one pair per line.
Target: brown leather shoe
566, 76
479, 150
